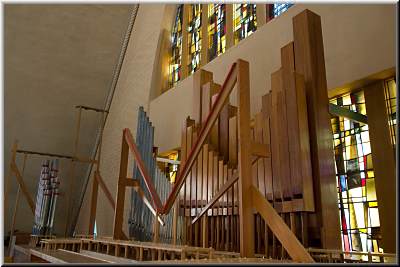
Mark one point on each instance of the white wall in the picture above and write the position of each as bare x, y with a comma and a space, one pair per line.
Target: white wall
359, 40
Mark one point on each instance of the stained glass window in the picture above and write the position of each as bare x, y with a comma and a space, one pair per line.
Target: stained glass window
194, 38
358, 206
280, 8
216, 30
244, 21
390, 95
176, 48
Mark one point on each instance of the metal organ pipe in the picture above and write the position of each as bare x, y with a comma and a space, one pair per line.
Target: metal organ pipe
46, 198
141, 221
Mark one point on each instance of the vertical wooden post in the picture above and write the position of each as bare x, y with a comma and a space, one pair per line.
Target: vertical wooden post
204, 33
245, 182
175, 221
185, 44
10, 174
383, 162
14, 216
200, 78
310, 62
119, 207
229, 26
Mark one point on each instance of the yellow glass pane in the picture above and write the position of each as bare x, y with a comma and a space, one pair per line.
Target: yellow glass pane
370, 174
371, 192
373, 204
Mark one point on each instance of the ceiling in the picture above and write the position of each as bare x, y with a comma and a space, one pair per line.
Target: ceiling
56, 57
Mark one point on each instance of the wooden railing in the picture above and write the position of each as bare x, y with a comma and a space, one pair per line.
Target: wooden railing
339, 256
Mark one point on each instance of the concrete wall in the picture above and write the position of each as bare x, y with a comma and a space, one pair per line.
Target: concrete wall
359, 40
56, 56
133, 90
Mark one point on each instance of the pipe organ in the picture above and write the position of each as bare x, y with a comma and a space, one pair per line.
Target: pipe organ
250, 183
46, 198
142, 225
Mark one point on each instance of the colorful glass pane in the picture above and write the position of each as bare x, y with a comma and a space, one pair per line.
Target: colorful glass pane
194, 37
357, 201
176, 48
280, 8
244, 21
216, 30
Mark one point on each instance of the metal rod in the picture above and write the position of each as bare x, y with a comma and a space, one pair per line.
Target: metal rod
176, 162
93, 109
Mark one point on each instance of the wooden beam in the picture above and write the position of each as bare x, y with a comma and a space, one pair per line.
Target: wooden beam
227, 87
119, 208
10, 173
348, 114
217, 196
260, 150
142, 169
23, 187
131, 182
383, 161
278, 226
310, 62
14, 216
246, 216
104, 187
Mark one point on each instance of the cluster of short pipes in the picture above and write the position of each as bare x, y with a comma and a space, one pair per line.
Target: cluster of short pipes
46, 198
141, 219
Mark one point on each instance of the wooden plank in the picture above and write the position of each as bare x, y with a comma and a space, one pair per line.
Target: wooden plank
233, 150
142, 169
279, 137
246, 218
383, 161
104, 187
7, 181
227, 87
260, 150
23, 187
266, 111
223, 129
310, 62
15, 211
214, 135
259, 128
119, 208
200, 78
298, 133
278, 226
106, 258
